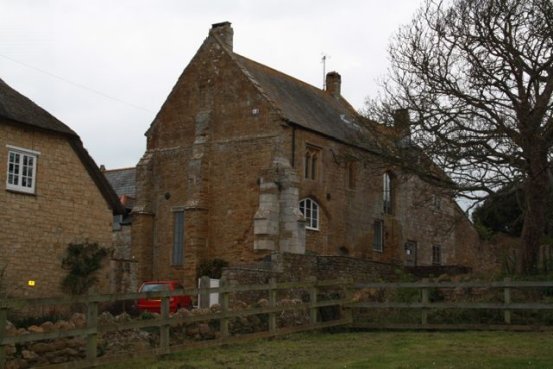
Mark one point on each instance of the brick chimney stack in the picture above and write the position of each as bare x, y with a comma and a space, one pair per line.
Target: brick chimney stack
333, 84
224, 32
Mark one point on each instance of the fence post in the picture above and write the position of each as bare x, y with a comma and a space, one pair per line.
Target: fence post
507, 301
313, 300
425, 300
3, 321
225, 307
92, 326
204, 292
347, 312
164, 328
272, 304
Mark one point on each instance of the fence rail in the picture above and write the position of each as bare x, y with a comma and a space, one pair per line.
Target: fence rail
165, 321
507, 306
342, 301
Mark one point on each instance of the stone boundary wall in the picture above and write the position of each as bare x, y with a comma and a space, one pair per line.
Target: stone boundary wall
437, 270
287, 267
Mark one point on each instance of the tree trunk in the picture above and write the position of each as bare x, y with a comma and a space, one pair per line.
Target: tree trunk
536, 192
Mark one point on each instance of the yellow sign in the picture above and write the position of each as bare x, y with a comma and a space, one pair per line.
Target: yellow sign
31, 283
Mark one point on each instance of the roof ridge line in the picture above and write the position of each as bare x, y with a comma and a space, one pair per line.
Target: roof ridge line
124, 168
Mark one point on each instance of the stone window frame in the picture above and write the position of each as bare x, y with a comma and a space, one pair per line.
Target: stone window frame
179, 236
388, 195
312, 162
351, 174
311, 212
436, 254
378, 235
18, 170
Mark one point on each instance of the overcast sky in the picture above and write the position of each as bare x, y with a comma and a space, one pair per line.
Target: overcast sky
104, 67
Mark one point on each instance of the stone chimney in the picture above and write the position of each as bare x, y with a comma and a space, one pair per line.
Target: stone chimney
401, 119
402, 125
224, 32
333, 84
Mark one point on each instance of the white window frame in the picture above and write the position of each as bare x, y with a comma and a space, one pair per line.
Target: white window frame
310, 210
17, 171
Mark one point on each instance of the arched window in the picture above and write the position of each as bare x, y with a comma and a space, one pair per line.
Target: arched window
311, 163
314, 166
310, 210
387, 186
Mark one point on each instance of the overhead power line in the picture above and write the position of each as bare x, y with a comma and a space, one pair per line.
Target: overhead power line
81, 86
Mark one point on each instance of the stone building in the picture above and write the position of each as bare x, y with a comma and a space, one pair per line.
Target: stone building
54, 194
124, 266
244, 163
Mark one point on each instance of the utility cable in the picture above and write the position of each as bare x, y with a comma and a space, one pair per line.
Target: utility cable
75, 83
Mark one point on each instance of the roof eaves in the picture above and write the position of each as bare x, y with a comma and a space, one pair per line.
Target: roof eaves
334, 138
99, 179
69, 134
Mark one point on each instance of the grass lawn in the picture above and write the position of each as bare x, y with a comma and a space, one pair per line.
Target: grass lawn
375, 350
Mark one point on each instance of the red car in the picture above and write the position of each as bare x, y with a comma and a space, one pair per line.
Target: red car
154, 305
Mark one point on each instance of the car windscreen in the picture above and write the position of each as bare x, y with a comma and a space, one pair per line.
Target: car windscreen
154, 287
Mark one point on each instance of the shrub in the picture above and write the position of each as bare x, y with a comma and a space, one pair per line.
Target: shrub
82, 260
212, 268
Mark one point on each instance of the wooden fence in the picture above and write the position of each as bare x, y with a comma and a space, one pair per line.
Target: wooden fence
346, 302
506, 306
165, 321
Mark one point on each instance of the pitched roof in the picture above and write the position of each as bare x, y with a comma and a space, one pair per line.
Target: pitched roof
18, 109
310, 107
122, 180
316, 110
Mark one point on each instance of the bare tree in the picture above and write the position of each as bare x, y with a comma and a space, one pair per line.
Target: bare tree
477, 76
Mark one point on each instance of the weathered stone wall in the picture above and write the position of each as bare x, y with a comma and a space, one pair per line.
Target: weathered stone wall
124, 267
205, 153
347, 211
419, 213
37, 228
435, 271
295, 268
210, 153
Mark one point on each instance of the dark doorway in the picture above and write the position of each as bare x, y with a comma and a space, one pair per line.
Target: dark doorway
410, 253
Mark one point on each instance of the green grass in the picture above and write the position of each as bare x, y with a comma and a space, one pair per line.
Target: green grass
375, 350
